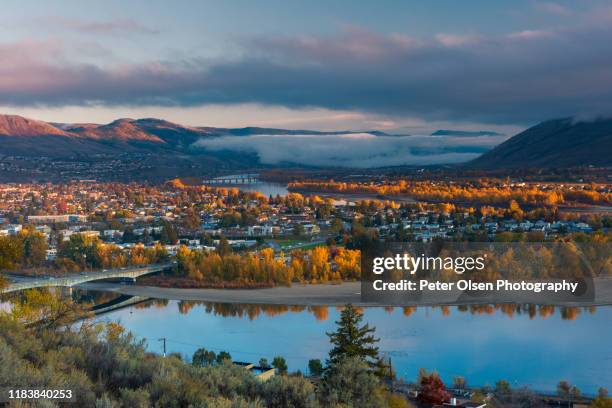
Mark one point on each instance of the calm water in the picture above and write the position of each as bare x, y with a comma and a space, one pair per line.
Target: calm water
266, 188
484, 347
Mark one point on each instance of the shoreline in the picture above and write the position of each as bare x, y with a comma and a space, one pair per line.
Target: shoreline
312, 295
295, 295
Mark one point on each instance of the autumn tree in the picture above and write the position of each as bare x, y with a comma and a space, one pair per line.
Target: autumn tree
34, 248
224, 248
318, 268
348, 263
459, 382
432, 390
192, 219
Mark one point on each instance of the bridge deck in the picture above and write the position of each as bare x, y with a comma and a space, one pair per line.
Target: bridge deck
22, 283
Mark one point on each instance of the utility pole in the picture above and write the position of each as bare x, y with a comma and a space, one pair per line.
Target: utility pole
163, 340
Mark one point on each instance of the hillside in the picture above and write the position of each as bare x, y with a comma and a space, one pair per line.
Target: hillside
27, 137
555, 143
13, 125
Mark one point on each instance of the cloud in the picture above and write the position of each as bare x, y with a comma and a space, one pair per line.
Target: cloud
360, 150
553, 8
453, 40
514, 78
115, 26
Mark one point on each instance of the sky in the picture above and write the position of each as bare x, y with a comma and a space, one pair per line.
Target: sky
399, 66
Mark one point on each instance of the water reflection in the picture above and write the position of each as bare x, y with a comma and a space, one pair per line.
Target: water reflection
321, 313
93, 298
525, 344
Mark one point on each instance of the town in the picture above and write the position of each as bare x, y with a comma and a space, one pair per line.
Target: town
197, 217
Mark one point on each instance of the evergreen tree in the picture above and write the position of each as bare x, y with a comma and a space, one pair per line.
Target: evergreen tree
315, 367
353, 340
280, 364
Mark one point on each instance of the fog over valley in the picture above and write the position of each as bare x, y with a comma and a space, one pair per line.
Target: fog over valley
359, 150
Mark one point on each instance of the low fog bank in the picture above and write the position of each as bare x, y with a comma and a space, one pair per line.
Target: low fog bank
362, 150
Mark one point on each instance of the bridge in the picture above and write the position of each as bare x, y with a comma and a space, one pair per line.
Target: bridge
249, 178
120, 302
72, 279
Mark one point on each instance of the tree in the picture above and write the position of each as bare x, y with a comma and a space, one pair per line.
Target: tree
263, 363
350, 382
432, 390
192, 219
224, 247
602, 392
459, 382
298, 230
34, 248
398, 401
168, 234
203, 357
129, 236
280, 364
135, 398
223, 356
11, 252
315, 367
348, 263
563, 389
353, 340
286, 391
601, 402
44, 309
502, 387
336, 226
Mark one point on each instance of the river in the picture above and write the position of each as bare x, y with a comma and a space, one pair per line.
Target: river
266, 188
481, 344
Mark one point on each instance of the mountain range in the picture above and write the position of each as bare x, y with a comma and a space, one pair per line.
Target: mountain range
28, 137
464, 133
555, 143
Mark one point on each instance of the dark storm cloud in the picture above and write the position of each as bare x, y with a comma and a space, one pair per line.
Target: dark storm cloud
520, 77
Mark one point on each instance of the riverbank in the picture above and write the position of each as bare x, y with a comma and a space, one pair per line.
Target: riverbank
329, 295
299, 295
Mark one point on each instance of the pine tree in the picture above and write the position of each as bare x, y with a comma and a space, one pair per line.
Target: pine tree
353, 340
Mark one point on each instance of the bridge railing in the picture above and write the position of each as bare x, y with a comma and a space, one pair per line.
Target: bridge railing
75, 279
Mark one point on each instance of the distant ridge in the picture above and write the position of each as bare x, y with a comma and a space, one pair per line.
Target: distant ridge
464, 133
555, 143
29, 137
